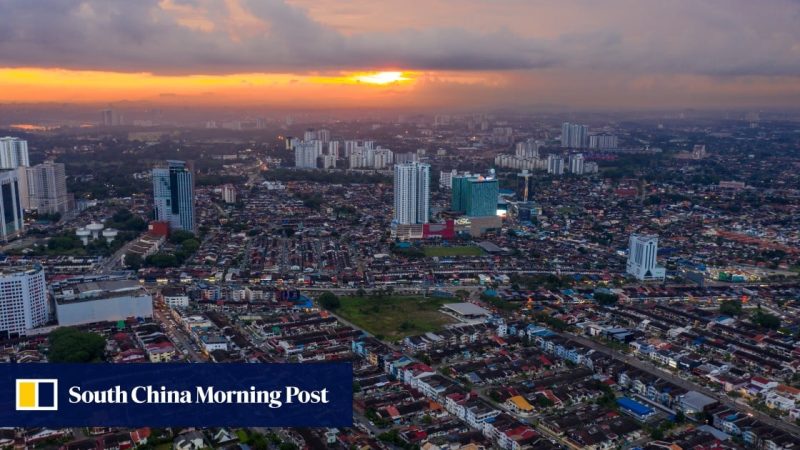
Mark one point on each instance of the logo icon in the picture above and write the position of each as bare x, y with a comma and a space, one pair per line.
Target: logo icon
37, 394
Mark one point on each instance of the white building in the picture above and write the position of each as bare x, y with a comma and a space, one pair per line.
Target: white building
13, 153
555, 164
411, 193
47, 188
603, 141
101, 301
23, 300
642, 252
446, 179
306, 154
528, 149
576, 163
574, 135
229, 193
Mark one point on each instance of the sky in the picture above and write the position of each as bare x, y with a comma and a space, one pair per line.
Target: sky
460, 54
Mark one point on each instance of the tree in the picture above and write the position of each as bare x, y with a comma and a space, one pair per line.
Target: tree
731, 308
766, 320
605, 298
329, 301
133, 261
75, 346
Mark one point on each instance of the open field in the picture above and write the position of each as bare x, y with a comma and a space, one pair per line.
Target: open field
462, 250
395, 317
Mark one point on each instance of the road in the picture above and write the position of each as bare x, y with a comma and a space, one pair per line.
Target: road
686, 384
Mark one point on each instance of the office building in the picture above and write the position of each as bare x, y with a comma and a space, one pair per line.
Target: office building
306, 154
23, 300
11, 219
574, 135
101, 301
47, 188
173, 192
576, 164
642, 252
13, 153
555, 164
475, 196
411, 193
603, 141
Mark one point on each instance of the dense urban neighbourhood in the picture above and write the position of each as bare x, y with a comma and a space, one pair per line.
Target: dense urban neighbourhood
530, 326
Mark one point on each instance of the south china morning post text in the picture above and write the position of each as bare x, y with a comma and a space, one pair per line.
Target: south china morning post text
201, 395
163, 395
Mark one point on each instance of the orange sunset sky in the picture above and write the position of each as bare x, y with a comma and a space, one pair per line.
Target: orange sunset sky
411, 53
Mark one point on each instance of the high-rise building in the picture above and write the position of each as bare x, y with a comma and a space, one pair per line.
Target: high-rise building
642, 252
412, 193
229, 193
47, 188
173, 195
555, 164
306, 154
576, 164
11, 218
333, 149
13, 153
528, 149
24, 303
475, 195
324, 135
111, 118
603, 141
574, 135
446, 179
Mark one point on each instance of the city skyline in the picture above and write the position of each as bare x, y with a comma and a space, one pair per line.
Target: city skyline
357, 54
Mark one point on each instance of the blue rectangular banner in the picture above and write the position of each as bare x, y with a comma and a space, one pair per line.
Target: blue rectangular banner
169, 395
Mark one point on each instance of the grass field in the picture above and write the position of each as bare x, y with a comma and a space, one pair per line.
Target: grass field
461, 250
395, 317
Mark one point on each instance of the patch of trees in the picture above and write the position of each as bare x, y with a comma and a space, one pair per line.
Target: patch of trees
70, 345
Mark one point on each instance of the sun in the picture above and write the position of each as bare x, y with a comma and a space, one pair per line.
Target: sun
381, 77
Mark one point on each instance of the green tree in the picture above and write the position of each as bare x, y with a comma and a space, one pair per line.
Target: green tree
329, 301
731, 308
133, 261
74, 346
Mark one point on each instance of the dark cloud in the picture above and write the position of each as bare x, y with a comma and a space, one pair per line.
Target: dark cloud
734, 37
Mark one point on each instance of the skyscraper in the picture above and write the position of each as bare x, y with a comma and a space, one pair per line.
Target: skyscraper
411, 193
574, 135
306, 154
173, 195
475, 196
576, 164
111, 118
642, 252
47, 188
555, 164
11, 219
13, 153
24, 301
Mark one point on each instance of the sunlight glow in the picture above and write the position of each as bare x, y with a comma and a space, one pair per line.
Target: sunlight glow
381, 77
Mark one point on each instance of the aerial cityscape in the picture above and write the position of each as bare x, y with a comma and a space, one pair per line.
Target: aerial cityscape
521, 235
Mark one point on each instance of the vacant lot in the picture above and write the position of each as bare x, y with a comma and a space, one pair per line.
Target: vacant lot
462, 250
395, 317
